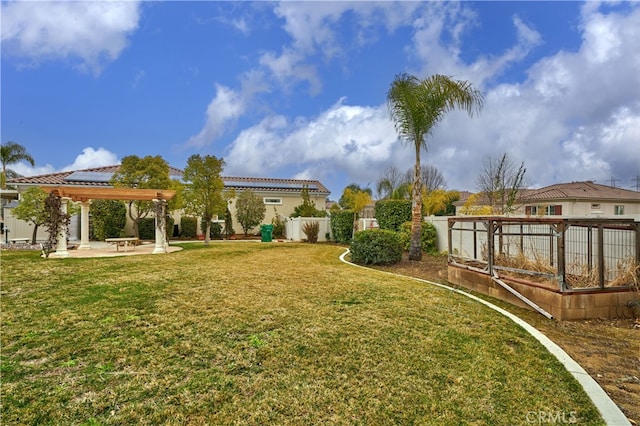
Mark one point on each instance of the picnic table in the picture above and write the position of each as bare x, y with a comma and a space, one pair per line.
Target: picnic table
19, 240
124, 242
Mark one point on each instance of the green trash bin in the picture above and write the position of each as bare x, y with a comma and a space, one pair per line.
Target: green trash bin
266, 231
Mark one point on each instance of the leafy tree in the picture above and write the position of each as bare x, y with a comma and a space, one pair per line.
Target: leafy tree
11, 153
500, 181
143, 173
203, 192
32, 209
416, 106
355, 199
473, 207
307, 208
346, 199
109, 218
250, 210
394, 184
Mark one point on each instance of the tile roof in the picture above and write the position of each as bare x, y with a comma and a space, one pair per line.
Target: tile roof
582, 191
238, 183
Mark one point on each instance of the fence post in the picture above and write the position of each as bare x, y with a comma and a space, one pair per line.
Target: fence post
490, 247
601, 255
562, 256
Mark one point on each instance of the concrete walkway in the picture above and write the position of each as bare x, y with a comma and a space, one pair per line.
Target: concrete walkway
102, 249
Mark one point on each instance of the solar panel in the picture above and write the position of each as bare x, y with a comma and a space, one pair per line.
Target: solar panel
271, 185
103, 177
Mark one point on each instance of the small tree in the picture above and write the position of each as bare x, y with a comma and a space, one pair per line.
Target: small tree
228, 224
307, 208
32, 209
355, 200
501, 181
250, 210
203, 193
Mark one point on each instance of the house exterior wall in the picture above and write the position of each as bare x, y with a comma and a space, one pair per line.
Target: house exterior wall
586, 208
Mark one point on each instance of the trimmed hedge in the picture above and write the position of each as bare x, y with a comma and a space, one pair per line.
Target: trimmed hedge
188, 227
342, 226
376, 247
428, 238
391, 214
147, 227
108, 218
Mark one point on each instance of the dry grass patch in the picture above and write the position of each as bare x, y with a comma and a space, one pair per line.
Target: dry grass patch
260, 334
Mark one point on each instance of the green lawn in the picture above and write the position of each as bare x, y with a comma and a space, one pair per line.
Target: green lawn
252, 333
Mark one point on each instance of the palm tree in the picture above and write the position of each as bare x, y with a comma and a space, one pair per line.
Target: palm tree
416, 106
11, 153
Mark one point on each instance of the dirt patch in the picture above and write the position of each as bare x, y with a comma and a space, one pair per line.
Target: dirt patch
609, 350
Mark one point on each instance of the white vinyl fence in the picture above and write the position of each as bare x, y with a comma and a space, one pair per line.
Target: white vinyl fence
293, 227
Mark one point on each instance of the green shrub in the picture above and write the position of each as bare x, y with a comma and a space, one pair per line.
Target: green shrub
215, 231
311, 230
391, 214
376, 247
428, 239
342, 226
279, 227
108, 218
147, 227
188, 227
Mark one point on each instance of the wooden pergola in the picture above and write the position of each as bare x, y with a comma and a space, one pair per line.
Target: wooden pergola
84, 195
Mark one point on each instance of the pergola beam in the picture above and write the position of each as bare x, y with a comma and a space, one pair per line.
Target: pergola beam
107, 193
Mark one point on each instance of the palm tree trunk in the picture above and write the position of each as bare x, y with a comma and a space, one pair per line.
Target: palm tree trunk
415, 249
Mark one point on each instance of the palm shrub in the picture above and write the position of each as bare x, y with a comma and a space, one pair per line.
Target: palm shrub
428, 237
311, 230
342, 226
376, 247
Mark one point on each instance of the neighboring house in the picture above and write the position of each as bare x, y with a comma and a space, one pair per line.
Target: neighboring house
279, 195
581, 199
575, 199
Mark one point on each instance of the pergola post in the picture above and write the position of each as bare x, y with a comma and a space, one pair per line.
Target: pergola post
161, 240
61, 246
84, 225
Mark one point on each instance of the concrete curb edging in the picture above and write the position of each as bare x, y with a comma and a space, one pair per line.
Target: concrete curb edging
609, 411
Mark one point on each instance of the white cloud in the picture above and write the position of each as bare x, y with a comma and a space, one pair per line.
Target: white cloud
226, 107
93, 158
347, 138
94, 33
88, 159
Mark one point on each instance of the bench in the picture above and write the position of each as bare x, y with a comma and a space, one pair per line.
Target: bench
19, 240
122, 242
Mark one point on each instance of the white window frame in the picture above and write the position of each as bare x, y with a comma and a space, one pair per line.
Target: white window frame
618, 209
272, 200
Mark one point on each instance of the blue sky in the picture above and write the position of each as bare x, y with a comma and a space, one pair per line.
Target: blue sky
298, 89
